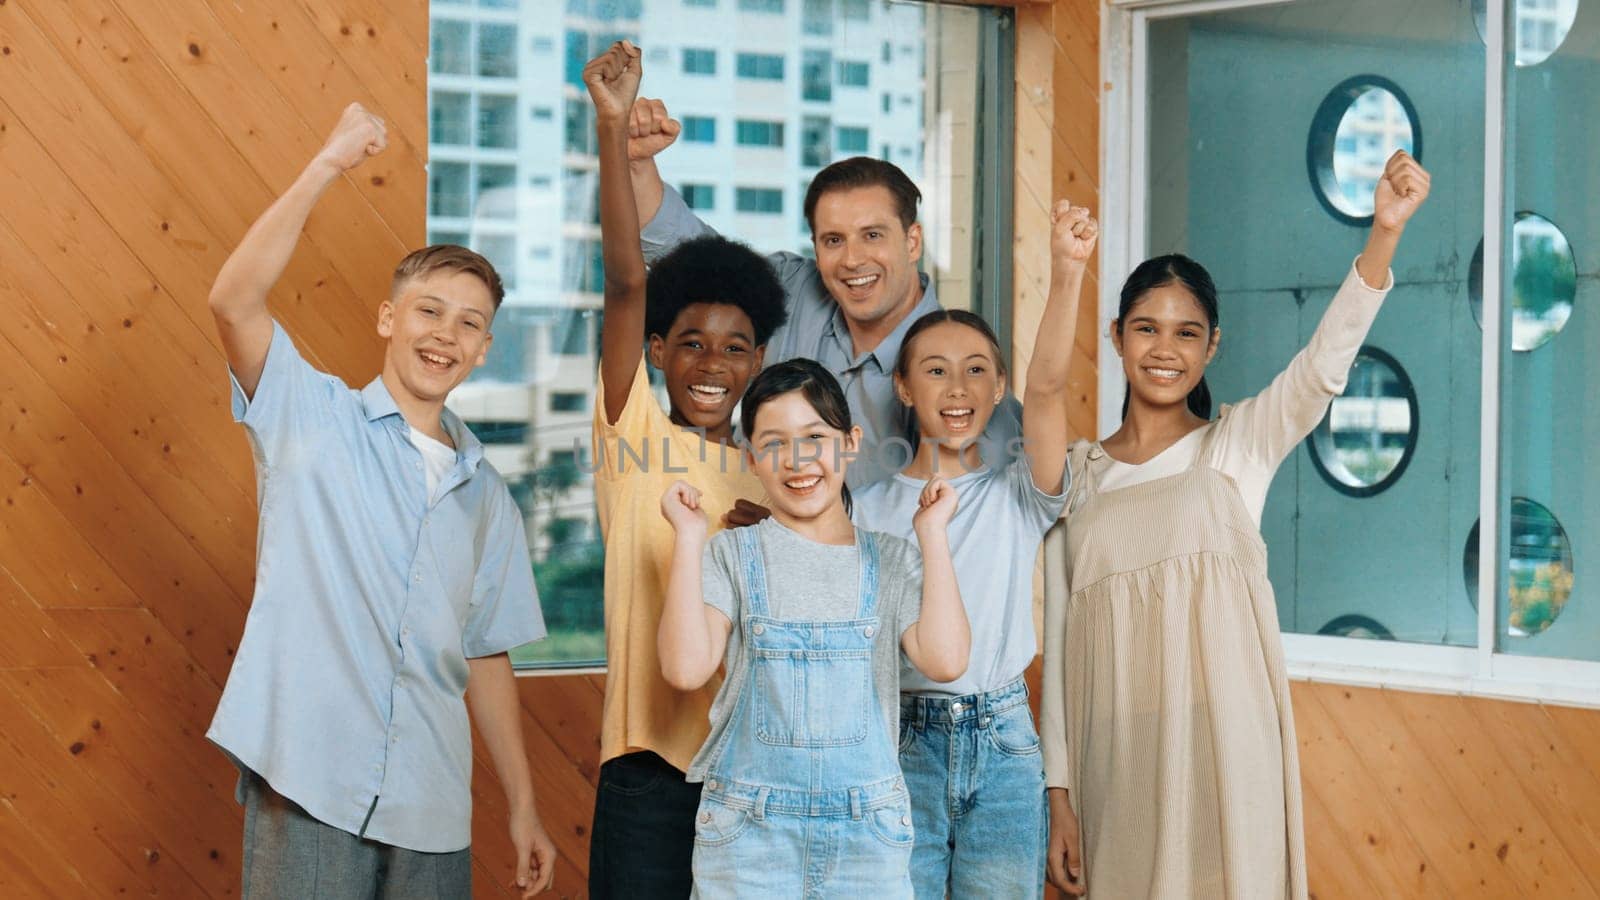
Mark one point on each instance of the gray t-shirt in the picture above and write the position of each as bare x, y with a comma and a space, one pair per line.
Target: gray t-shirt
994, 538
817, 582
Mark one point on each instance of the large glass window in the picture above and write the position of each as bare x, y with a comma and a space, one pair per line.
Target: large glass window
1255, 148
527, 200
1359, 518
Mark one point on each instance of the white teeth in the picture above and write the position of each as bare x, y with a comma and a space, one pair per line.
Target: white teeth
863, 280
956, 412
1164, 373
436, 359
801, 484
709, 389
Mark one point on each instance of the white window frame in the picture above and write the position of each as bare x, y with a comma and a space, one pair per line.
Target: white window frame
1478, 671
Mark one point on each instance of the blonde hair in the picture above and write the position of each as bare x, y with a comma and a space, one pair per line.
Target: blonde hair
449, 258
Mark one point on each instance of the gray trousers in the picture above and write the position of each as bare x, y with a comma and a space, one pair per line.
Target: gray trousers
288, 855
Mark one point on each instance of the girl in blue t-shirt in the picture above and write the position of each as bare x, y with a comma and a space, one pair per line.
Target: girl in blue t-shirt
968, 747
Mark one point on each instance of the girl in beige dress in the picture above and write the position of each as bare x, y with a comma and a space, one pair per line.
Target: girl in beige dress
1169, 744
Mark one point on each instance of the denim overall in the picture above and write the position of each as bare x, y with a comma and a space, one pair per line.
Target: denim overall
803, 795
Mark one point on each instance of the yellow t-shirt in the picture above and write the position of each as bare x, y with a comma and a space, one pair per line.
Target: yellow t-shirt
637, 459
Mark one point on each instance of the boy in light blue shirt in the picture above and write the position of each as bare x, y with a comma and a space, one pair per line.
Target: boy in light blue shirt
392, 577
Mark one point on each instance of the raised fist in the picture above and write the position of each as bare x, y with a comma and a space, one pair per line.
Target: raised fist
613, 80
1072, 233
650, 130
1400, 192
358, 135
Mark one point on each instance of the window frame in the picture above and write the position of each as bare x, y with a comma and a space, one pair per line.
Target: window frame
991, 183
1480, 670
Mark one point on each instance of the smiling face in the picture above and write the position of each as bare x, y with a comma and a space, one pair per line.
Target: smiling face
1165, 343
799, 458
952, 382
708, 357
437, 326
867, 258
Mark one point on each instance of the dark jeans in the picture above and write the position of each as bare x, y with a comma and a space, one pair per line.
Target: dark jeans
643, 840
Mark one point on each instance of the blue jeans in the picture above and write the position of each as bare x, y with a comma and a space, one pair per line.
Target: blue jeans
976, 779
643, 837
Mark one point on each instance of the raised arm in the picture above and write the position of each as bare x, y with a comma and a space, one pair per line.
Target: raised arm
650, 131
239, 295
613, 81
940, 641
1270, 424
1046, 398
693, 635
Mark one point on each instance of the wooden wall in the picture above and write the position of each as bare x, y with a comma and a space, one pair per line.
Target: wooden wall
137, 142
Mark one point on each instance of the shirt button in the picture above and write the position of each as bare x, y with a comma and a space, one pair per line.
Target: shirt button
905, 820
759, 628
417, 578
868, 631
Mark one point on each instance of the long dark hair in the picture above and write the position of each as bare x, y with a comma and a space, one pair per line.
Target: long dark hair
1174, 268
815, 383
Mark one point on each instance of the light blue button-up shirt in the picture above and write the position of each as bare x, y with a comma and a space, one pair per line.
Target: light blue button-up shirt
347, 693
817, 330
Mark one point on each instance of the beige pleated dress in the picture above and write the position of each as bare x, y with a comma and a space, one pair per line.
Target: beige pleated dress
1166, 704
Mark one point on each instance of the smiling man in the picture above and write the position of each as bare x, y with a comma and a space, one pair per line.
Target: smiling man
392, 577
850, 307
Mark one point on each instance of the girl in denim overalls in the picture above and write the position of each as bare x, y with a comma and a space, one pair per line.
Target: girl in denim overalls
803, 794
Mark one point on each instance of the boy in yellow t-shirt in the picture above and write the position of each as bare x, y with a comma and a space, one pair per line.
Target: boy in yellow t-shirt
707, 311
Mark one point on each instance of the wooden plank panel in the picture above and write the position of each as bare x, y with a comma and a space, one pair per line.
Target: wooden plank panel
1449, 739
184, 821
1564, 793
30, 867
36, 537
282, 39
1357, 806
274, 136
1387, 749
111, 851
380, 51
209, 178
149, 667
89, 488
1332, 870
29, 639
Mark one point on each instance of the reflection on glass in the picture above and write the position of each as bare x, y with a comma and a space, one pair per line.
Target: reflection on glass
1539, 574
1372, 129
1357, 626
1368, 432
1541, 26
530, 204
1544, 281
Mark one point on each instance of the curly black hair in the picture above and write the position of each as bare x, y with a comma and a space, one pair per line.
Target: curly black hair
713, 269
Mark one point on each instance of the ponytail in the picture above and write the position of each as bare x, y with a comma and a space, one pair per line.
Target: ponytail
1200, 400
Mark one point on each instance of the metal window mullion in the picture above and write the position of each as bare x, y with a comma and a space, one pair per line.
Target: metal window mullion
1489, 474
